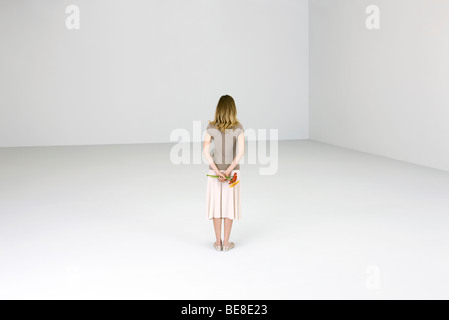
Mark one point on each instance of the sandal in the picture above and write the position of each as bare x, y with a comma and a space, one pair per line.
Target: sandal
220, 247
229, 246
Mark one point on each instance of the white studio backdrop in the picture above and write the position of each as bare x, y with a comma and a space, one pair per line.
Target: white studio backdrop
383, 91
136, 70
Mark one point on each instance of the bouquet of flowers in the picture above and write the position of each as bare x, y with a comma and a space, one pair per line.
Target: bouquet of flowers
232, 179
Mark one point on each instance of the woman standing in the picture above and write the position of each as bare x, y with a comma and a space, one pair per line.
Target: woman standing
223, 201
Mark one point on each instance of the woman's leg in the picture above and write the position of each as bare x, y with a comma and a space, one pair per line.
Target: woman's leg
217, 227
227, 230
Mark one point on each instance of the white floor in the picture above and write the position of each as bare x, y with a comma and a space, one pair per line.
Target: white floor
122, 222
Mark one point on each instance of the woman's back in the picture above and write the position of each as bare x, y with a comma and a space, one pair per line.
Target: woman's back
225, 145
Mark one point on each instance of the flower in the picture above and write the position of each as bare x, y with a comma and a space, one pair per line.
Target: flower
232, 185
232, 181
234, 178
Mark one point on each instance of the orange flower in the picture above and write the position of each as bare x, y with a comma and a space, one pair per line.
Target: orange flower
234, 178
232, 185
232, 181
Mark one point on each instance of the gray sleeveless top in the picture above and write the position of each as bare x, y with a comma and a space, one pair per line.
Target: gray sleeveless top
225, 145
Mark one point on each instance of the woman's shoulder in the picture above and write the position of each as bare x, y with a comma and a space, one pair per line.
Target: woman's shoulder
211, 125
238, 127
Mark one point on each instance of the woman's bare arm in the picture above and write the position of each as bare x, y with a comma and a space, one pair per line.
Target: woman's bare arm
206, 152
241, 148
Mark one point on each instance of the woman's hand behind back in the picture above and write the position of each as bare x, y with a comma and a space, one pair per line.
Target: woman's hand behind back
221, 177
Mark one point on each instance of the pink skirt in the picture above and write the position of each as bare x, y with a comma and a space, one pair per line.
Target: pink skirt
223, 201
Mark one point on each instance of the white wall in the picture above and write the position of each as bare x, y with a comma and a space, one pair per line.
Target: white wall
383, 91
138, 69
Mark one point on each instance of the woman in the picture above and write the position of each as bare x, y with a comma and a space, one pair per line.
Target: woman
223, 198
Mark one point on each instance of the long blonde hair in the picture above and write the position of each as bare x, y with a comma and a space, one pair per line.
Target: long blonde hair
225, 114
